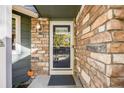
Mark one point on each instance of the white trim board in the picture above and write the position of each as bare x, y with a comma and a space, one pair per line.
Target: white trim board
61, 70
6, 51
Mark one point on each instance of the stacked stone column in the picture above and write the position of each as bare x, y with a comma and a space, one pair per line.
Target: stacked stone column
40, 46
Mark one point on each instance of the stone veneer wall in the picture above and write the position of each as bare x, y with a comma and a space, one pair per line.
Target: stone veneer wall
40, 47
99, 46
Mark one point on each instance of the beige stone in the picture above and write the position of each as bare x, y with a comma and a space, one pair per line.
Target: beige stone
110, 14
93, 70
85, 77
115, 70
119, 13
117, 82
118, 35
104, 79
96, 64
115, 24
86, 30
78, 68
116, 6
104, 58
118, 58
108, 70
86, 18
98, 83
92, 85
101, 37
88, 35
99, 21
101, 28
116, 48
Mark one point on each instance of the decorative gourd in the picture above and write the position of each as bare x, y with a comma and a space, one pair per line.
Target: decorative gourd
30, 73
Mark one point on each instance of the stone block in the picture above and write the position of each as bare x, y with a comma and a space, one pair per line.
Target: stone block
101, 37
118, 35
115, 47
99, 21
86, 77
108, 70
104, 79
98, 83
115, 24
96, 64
116, 6
101, 28
92, 85
118, 58
91, 75
93, 70
117, 82
104, 58
119, 13
86, 18
88, 35
86, 30
102, 48
98, 10
115, 70
34, 58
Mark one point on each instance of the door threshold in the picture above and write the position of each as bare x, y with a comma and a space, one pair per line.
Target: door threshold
61, 72
61, 69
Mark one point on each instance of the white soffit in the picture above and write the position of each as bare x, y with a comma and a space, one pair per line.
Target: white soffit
24, 10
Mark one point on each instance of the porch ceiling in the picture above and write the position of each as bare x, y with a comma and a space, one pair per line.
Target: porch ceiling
58, 11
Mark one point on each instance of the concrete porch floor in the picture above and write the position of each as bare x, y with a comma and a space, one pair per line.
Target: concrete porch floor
42, 82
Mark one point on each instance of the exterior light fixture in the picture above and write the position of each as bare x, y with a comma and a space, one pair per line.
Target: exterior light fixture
39, 26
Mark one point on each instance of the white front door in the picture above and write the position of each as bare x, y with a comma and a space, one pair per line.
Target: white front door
61, 51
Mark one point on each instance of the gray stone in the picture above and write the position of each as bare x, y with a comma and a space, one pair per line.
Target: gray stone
102, 48
35, 58
43, 33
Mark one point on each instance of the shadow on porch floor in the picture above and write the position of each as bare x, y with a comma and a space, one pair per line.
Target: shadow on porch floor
42, 82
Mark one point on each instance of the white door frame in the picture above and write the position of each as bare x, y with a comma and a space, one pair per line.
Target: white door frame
61, 70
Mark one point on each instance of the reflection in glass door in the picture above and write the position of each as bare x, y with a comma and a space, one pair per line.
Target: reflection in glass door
61, 46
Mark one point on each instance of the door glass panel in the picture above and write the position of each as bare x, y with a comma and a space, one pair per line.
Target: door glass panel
61, 46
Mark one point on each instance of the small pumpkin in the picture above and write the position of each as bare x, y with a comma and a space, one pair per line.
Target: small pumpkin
30, 73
